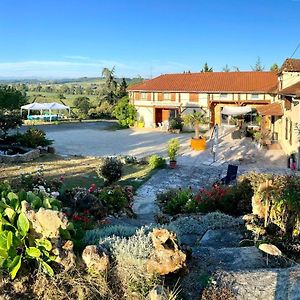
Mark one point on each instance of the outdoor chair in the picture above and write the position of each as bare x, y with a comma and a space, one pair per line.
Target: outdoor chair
231, 175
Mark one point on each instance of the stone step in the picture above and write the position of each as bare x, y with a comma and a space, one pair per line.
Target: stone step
266, 284
231, 258
221, 238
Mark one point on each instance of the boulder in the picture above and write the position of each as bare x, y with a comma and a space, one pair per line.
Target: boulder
66, 256
45, 222
166, 257
97, 262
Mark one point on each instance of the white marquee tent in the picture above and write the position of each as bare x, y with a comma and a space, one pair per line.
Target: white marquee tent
44, 106
236, 110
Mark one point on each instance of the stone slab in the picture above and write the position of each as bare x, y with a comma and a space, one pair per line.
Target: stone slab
221, 238
266, 284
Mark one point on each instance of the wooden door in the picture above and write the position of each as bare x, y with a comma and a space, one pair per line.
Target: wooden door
165, 115
158, 115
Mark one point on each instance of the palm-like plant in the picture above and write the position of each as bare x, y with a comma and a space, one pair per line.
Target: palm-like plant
195, 119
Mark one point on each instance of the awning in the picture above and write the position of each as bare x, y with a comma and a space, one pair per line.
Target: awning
273, 109
236, 110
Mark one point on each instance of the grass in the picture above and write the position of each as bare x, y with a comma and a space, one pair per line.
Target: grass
53, 97
77, 171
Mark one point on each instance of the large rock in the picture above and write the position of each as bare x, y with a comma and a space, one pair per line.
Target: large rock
45, 222
96, 262
65, 255
166, 258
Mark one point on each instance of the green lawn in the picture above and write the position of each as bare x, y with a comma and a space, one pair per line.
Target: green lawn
77, 171
53, 97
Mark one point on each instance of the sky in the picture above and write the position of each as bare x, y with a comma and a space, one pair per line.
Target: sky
77, 38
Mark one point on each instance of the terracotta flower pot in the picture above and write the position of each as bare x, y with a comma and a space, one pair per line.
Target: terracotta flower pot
173, 164
198, 144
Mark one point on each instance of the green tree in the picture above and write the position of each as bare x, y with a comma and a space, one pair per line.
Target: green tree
83, 105
11, 101
109, 90
206, 68
125, 112
11, 98
123, 89
274, 68
258, 67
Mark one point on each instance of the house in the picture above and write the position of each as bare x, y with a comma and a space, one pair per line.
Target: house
289, 96
158, 99
275, 96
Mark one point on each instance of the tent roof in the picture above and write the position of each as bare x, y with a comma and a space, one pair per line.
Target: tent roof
39, 106
236, 110
34, 106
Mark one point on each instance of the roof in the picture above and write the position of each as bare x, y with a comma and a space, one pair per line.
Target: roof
291, 90
273, 109
212, 82
47, 106
291, 65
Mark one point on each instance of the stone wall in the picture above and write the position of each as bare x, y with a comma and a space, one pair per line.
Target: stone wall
28, 156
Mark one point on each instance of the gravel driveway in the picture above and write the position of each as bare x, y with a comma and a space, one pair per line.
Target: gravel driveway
95, 139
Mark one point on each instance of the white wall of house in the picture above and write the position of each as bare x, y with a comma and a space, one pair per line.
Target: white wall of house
146, 114
289, 78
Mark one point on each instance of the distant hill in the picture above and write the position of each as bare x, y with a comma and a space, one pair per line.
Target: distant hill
59, 81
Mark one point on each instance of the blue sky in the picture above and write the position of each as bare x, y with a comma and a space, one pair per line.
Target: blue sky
74, 38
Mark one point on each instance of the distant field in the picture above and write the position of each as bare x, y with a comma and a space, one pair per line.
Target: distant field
53, 97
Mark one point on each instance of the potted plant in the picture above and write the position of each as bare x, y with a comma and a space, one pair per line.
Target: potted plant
258, 138
173, 148
195, 119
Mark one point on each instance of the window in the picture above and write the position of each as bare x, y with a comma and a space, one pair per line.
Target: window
254, 96
223, 96
167, 96
143, 96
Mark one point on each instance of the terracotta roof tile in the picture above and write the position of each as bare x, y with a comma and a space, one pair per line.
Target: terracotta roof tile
211, 82
291, 65
291, 90
273, 109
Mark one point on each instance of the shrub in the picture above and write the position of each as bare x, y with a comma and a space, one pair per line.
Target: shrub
93, 236
110, 168
173, 148
83, 106
125, 112
131, 255
8, 122
198, 225
37, 180
18, 246
176, 123
33, 138
177, 204
103, 111
113, 199
234, 200
156, 162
